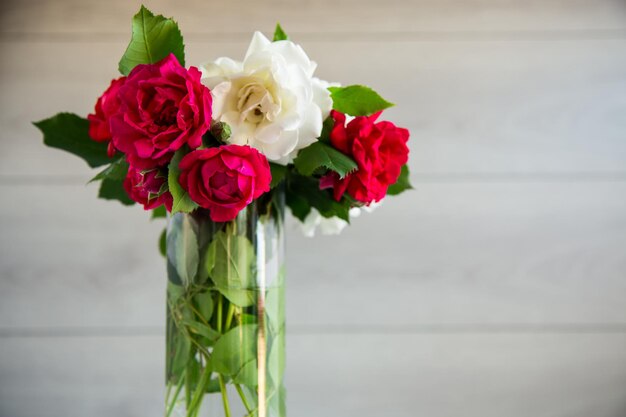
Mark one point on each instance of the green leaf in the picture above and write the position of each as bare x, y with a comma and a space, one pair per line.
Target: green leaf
114, 190
304, 193
230, 260
277, 402
320, 155
182, 200
154, 38
248, 374
163, 243
159, 212
239, 297
234, 349
298, 205
174, 292
276, 361
117, 171
249, 319
204, 301
275, 303
279, 34
357, 100
402, 184
178, 345
327, 127
178, 352
172, 275
278, 174
213, 385
201, 329
70, 132
182, 248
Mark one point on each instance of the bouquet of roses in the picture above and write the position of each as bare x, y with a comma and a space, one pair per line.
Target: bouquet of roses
220, 147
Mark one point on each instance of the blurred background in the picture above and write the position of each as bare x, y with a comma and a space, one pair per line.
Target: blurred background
497, 288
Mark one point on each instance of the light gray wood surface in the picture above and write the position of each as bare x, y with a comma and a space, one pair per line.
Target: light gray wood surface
437, 375
496, 288
323, 18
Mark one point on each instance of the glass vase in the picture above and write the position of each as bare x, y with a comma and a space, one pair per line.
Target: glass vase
225, 338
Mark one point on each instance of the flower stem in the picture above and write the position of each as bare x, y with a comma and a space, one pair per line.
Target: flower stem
244, 400
219, 312
194, 407
229, 316
224, 395
172, 402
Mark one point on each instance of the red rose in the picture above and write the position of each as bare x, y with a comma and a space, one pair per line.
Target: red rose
107, 105
225, 179
163, 107
148, 188
380, 151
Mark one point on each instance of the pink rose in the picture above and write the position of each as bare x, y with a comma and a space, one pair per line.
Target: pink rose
380, 151
107, 105
162, 107
148, 188
225, 179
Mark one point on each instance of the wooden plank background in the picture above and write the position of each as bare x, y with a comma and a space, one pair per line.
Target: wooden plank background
496, 288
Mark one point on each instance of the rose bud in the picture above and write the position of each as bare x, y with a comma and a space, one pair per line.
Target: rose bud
148, 188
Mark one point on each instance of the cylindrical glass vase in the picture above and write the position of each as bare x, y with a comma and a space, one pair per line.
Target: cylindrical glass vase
225, 353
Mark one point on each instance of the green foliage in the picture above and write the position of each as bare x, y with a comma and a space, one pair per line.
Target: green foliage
320, 155
178, 352
70, 132
178, 345
201, 329
402, 184
116, 171
279, 34
248, 374
277, 402
153, 38
327, 127
172, 275
204, 301
163, 243
234, 354
182, 202
304, 193
114, 190
298, 205
276, 361
357, 100
275, 303
182, 248
159, 212
278, 174
230, 260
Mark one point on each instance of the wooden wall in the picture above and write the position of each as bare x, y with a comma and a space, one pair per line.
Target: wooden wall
496, 289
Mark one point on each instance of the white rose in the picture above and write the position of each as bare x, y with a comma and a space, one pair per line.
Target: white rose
271, 100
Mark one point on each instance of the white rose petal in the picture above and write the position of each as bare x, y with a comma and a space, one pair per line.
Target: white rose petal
327, 226
333, 225
271, 100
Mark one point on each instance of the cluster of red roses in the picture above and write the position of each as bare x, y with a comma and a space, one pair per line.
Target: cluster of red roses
156, 110
159, 108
